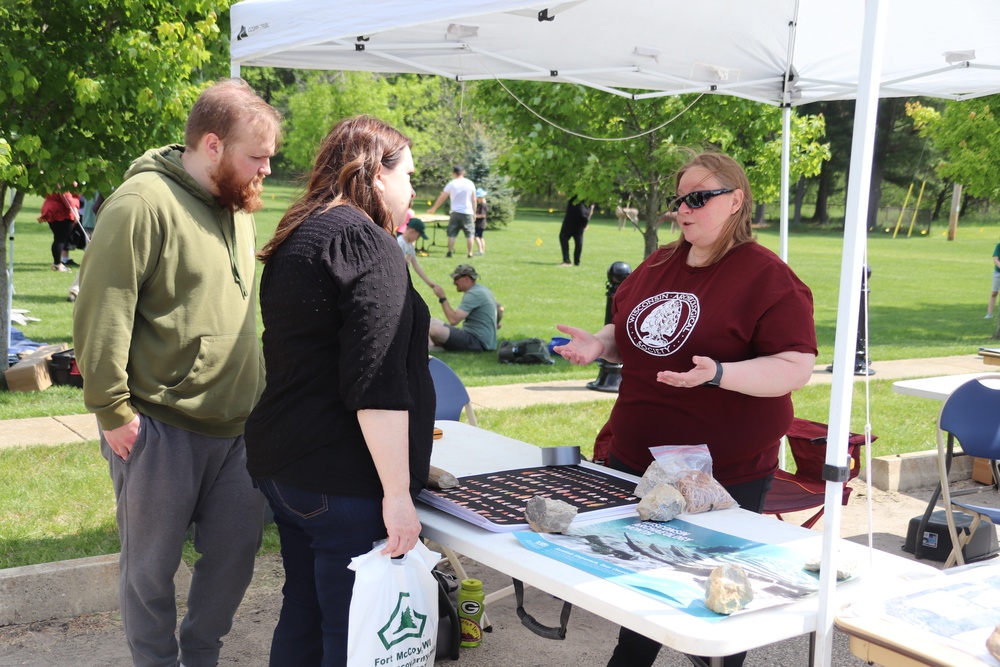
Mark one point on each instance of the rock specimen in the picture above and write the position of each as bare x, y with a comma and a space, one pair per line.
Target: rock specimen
438, 478
654, 475
845, 568
545, 515
728, 589
663, 503
993, 643
703, 493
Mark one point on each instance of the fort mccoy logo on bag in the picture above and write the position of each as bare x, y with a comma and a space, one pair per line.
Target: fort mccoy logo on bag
394, 609
404, 623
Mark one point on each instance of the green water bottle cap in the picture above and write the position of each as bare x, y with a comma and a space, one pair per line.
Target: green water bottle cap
472, 584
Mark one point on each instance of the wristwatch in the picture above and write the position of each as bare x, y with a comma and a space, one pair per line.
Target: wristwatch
717, 380
442, 299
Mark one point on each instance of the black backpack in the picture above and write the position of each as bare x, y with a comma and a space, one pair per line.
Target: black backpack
525, 351
449, 627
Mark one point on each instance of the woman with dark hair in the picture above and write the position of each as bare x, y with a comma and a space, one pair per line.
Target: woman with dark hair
713, 332
340, 442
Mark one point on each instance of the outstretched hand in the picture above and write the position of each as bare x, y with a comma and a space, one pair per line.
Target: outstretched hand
583, 347
703, 371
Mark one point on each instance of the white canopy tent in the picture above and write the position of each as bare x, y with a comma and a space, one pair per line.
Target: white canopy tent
781, 52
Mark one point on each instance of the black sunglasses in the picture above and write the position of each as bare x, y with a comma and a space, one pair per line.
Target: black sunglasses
698, 198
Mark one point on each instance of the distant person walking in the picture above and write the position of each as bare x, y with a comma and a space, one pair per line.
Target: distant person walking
481, 211
463, 208
573, 225
61, 210
996, 283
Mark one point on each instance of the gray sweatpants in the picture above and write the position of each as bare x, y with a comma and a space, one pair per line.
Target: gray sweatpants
174, 478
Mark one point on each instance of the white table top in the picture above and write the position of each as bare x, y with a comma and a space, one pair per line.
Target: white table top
466, 450
937, 388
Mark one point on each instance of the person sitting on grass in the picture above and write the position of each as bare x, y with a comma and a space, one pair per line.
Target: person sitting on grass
477, 312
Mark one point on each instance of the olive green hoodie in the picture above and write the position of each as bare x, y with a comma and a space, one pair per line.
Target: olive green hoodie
165, 320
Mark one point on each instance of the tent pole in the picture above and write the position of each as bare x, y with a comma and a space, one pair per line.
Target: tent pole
852, 266
786, 140
234, 69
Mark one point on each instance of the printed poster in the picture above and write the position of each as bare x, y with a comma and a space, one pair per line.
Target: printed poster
672, 561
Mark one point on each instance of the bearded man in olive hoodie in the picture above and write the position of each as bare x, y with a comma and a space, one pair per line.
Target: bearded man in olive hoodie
166, 341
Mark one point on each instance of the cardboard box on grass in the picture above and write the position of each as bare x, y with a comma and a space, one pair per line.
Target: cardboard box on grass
32, 372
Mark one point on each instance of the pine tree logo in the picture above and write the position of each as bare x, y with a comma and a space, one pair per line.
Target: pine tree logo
403, 623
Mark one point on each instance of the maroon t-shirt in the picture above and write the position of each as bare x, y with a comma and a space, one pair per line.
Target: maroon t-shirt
750, 304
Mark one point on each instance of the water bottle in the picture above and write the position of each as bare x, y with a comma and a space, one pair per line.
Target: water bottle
471, 601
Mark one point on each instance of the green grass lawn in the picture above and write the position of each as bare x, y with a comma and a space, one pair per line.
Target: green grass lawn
927, 299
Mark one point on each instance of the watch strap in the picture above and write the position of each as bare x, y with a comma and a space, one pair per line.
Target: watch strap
717, 380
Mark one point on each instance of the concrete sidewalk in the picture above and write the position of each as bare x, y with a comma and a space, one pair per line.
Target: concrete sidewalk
78, 428
572, 391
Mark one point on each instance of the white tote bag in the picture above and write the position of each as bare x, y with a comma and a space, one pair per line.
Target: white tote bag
394, 609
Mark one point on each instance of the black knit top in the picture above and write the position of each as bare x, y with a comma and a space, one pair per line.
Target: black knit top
344, 330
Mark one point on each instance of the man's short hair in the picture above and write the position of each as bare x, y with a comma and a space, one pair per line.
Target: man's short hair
458, 169
225, 108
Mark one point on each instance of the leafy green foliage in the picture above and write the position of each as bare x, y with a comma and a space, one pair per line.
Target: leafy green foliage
968, 133
422, 107
94, 84
608, 149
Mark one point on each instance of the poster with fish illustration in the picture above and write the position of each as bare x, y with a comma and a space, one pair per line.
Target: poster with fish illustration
671, 561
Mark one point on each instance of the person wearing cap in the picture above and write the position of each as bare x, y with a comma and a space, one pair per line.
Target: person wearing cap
480, 220
477, 313
463, 208
414, 229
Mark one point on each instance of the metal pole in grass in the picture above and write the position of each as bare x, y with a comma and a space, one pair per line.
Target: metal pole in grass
10, 286
610, 375
861, 366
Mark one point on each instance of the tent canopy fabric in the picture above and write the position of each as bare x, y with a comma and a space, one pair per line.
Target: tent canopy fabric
782, 52
637, 47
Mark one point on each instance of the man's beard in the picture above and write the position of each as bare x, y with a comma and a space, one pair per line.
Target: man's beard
234, 195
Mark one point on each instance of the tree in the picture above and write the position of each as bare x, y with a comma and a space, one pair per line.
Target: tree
422, 107
89, 86
968, 135
639, 143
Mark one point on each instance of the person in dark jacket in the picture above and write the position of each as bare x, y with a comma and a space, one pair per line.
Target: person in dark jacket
340, 442
573, 225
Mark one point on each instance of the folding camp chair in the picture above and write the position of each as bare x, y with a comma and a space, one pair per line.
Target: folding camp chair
805, 488
971, 415
452, 396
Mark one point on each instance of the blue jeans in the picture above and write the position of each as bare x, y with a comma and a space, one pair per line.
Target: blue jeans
319, 536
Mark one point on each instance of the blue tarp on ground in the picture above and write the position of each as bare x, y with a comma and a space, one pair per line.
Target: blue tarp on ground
19, 345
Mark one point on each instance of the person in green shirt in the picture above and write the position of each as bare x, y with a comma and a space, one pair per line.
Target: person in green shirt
477, 313
996, 283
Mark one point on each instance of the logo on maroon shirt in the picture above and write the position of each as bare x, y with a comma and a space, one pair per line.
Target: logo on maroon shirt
661, 324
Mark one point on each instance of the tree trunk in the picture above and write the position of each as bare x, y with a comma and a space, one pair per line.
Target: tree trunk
822, 212
800, 195
956, 207
939, 204
758, 214
6, 227
887, 111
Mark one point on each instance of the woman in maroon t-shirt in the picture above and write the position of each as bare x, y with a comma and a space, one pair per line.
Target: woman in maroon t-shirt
713, 332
